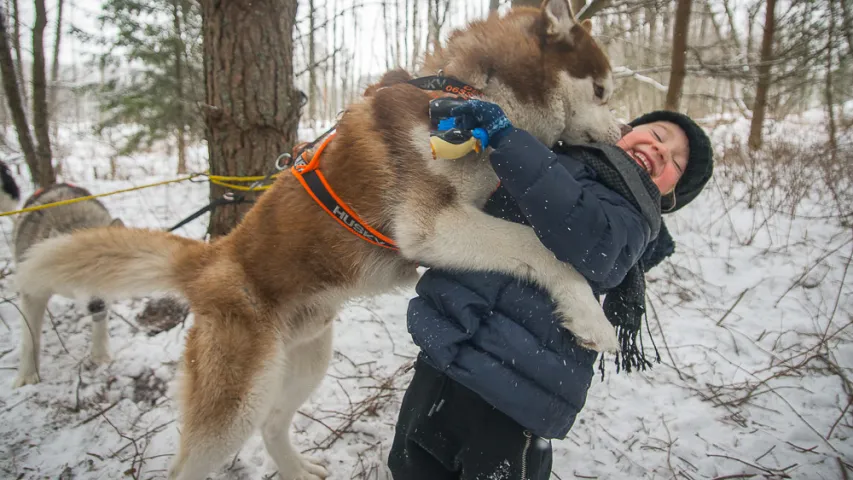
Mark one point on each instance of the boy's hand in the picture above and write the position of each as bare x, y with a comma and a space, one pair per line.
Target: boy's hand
479, 114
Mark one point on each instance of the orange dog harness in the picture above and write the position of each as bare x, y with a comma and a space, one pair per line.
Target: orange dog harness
307, 171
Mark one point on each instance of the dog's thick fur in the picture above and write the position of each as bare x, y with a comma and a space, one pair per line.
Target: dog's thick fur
265, 295
34, 227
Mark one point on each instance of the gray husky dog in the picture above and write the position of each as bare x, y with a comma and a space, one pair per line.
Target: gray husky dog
34, 227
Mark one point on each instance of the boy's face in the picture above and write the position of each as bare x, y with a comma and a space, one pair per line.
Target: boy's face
661, 148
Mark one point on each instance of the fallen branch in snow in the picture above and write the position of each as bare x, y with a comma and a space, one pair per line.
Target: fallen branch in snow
775, 472
100, 412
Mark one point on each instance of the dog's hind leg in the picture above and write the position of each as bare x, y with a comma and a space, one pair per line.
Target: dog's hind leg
229, 377
305, 366
100, 352
33, 315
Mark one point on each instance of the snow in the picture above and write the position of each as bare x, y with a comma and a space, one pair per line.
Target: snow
751, 317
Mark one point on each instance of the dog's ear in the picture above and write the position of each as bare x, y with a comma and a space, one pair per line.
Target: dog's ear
559, 19
116, 223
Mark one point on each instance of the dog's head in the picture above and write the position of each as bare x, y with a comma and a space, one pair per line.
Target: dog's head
542, 66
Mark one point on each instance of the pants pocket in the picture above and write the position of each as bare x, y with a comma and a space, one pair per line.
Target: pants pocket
536, 458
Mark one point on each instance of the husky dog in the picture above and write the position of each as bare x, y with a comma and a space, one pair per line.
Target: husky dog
265, 295
10, 195
37, 226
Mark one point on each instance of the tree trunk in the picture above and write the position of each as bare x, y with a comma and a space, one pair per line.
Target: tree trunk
732, 25
16, 42
679, 53
666, 23
430, 27
847, 24
389, 47
398, 32
41, 125
828, 93
253, 107
179, 87
436, 23
493, 5
526, 3
651, 14
54, 69
758, 109
416, 35
333, 90
13, 98
312, 67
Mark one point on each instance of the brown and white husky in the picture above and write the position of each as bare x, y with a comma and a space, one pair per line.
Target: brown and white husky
265, 295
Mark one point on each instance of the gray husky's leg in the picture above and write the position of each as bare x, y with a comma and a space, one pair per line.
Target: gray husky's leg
100, 352
33, 315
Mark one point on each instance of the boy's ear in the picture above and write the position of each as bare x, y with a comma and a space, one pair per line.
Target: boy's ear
559, 19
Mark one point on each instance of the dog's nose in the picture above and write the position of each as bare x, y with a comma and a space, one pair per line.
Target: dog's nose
625, 129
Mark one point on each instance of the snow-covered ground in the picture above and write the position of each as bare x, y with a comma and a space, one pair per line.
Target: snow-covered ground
751, 317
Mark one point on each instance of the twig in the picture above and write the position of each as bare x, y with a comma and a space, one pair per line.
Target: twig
849, 401
843, 468
9, 408
757, 467
133, 471
739, 298
101, 412
53, 325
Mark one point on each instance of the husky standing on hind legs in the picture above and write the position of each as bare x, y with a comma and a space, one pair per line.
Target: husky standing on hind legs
265, 295
37, 226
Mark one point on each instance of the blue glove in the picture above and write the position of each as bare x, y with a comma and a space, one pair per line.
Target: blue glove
487, 116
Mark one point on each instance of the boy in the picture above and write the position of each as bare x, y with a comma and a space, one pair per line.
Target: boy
498, 376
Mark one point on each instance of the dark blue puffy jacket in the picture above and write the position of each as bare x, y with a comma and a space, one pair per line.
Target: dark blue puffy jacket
499, 336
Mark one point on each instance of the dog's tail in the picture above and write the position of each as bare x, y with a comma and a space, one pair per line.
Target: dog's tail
108, 262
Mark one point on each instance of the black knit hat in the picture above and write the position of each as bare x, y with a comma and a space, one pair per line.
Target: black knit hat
700, 163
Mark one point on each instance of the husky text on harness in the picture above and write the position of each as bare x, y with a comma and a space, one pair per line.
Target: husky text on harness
309, 175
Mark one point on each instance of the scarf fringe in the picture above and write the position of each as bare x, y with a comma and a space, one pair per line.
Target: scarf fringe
631, 355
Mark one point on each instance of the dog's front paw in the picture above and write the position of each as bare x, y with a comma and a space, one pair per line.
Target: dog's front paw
592, 330
26, 379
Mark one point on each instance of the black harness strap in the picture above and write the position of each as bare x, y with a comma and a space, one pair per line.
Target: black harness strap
445, 84
307, 171
210, 206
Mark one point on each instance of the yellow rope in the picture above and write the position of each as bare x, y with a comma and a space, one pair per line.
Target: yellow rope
239, 187
216, 179
83, 199
240, 179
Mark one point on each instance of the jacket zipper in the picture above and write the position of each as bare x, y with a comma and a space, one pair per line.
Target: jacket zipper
529, 438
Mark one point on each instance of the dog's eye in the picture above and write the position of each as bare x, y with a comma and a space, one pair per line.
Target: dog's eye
599, 91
